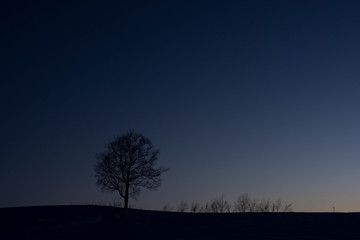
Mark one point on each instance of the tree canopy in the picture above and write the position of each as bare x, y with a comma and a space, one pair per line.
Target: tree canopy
127, 165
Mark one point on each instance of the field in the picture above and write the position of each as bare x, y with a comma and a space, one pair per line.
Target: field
100, 222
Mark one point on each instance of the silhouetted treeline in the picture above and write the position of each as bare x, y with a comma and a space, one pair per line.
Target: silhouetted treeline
243, 203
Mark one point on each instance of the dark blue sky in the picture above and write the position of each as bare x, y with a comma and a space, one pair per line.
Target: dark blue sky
240, 96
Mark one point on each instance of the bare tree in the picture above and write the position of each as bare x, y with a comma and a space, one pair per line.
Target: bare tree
242, 203
253, 205
287, 207
183, 206
207, 207
214, 206
263, 206
127, 165
195, 207
220, 205
167, 208
275, 207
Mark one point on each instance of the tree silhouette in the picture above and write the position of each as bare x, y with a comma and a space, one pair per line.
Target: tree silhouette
220, 205
182, 206
243, 203
195, 207
275, 207
127, 165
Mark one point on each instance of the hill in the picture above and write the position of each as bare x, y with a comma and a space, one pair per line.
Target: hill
99, 222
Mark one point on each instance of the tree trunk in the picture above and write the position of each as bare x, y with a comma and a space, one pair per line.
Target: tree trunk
126, 198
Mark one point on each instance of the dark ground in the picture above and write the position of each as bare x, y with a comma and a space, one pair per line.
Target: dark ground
98, 222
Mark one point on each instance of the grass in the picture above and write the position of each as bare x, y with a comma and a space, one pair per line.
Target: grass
101, 222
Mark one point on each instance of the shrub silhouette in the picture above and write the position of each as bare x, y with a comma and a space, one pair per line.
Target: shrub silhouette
244, 203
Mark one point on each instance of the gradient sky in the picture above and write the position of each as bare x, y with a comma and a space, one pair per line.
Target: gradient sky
259, 97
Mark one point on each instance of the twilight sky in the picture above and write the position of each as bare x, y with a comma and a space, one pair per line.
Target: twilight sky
259, 97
